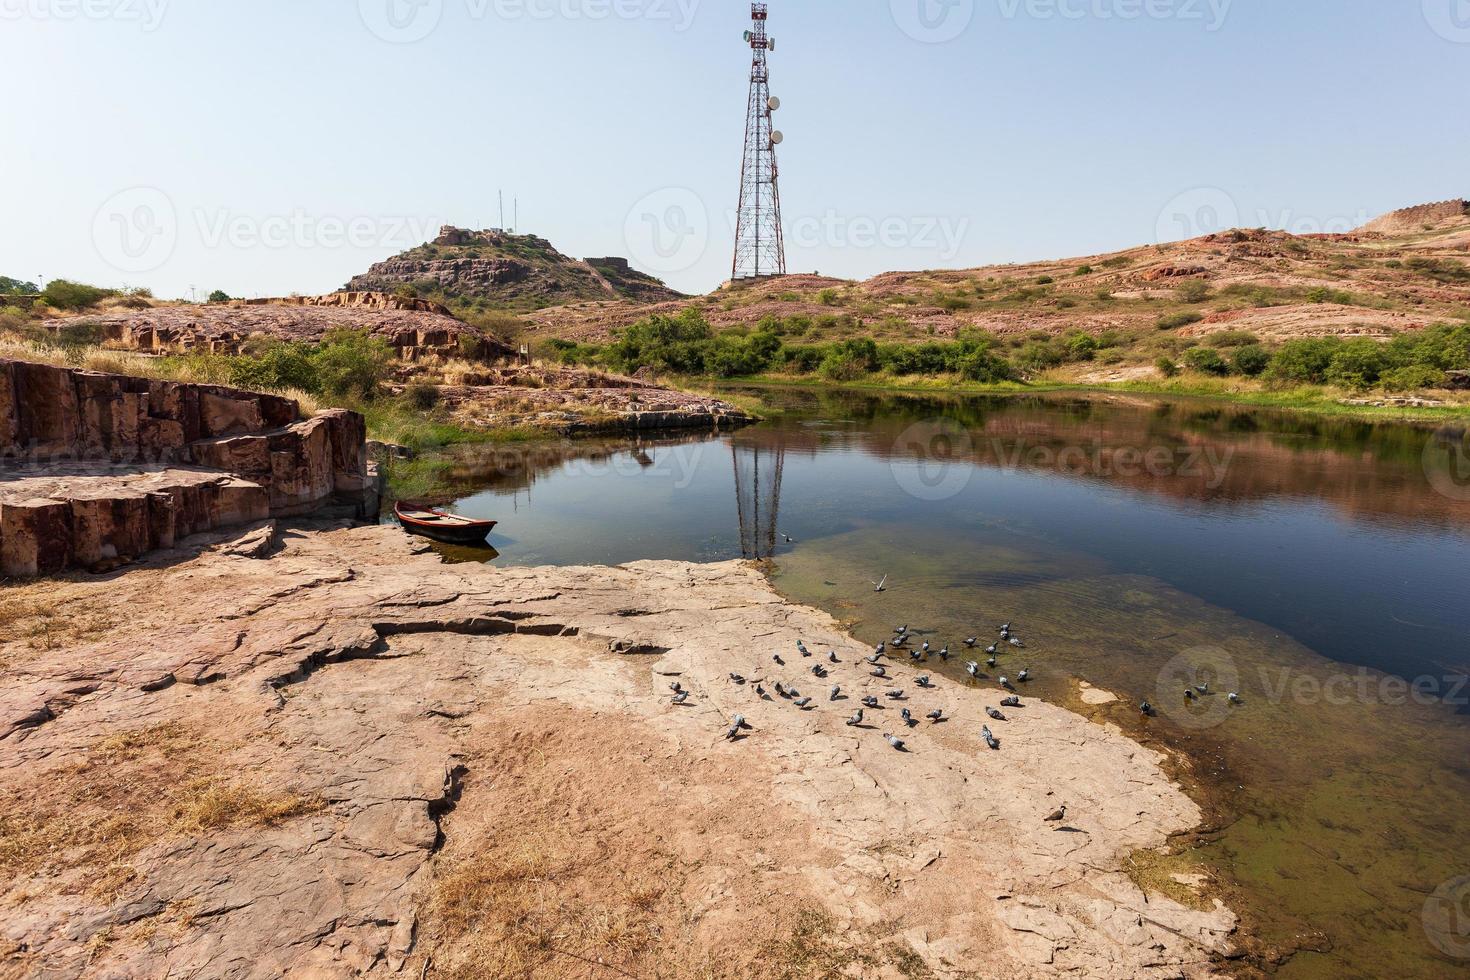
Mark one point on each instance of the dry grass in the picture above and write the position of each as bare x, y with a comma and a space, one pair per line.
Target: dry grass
39, 616
135, 789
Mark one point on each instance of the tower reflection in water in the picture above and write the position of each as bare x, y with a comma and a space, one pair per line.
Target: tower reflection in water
758, 496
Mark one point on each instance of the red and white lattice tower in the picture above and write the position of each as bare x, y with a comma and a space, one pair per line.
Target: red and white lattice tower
760, 246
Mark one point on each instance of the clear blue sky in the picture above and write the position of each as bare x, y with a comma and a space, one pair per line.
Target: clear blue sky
272, 146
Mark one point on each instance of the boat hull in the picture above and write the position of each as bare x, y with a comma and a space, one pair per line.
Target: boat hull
447, 528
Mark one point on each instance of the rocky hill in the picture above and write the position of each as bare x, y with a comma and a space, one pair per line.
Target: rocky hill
1401, 272
509, 271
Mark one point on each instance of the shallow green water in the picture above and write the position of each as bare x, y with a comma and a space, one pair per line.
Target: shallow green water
1143, 546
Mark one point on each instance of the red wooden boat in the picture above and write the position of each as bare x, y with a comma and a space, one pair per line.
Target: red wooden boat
441, 525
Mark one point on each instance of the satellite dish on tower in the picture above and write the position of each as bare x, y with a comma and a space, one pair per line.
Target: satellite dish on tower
776, 138
774, 103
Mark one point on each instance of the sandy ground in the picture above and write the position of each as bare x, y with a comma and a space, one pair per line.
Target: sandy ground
350, 759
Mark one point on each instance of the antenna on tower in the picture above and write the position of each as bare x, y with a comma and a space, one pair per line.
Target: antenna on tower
760, 243
502, 210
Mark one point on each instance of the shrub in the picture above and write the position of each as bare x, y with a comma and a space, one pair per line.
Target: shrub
74, 336
352, 362
1250, 360
1082, 270
1166, 367
1231, 338
1206, 360
669, 343
65, 295
1193, 291
1412, 377
1172, 321
1303, 361
219, 296
954, 303
838, 366
1045, 281
829, 297
406, 291
1040, 355
1357, 364
421, 396
277, 365
1080, 346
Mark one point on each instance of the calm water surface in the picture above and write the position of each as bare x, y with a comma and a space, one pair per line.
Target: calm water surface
1321, 568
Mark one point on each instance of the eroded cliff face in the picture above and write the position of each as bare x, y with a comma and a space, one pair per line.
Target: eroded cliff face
97, 469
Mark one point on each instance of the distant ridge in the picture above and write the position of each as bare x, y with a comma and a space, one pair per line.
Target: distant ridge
1421, 217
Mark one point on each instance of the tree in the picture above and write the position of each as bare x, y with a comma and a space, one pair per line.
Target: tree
219, 296
15, 287
1250, 360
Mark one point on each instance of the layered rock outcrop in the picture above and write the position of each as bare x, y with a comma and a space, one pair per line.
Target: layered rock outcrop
97, 469
417, 329
521, 270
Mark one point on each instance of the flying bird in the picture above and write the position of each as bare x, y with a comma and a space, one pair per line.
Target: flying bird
881, 585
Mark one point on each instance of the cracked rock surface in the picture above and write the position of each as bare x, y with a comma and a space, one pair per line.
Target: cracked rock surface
294, 752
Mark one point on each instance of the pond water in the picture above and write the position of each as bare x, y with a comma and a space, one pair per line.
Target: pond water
1318, 567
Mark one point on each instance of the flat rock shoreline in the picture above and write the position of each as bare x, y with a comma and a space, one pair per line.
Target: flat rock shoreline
334, 755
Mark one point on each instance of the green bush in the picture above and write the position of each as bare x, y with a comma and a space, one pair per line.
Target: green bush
1172, 321
829, 297
1304, 361
1082, 270
1250, 360
1166, 367
1080, 346
1232, 338
1357, 364
1206, 360
1411, 378
421, 396
219, 296
1193, 291
352, 362
277, 366
74, 336
66, 295
839, 366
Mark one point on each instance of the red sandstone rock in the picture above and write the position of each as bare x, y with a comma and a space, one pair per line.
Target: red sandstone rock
87, 479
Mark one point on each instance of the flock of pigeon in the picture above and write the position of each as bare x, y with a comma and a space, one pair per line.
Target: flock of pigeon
902, 644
